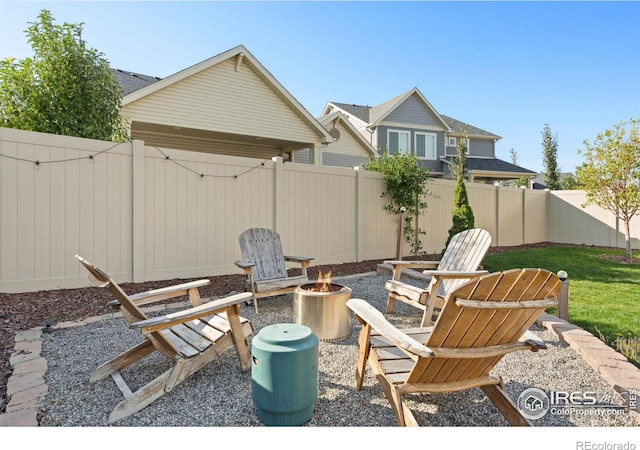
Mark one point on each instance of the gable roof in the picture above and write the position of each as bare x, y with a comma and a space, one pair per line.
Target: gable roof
457, 127
491, 165
338, 116
358, 111
373, 115
131, 81
243, 56
378, 113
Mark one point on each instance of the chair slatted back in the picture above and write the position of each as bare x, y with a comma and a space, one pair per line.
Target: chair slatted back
264, 248
130, 311
464, 252
463, 327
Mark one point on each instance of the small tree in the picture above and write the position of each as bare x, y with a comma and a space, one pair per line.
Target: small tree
522, 181
569, 183
610, 174
550, 158
462, 214
65, 88
406, 183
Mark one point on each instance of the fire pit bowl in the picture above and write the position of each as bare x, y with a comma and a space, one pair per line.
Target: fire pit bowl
325, 312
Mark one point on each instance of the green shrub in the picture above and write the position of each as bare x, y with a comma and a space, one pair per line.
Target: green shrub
406, 182
462, 215
629, 347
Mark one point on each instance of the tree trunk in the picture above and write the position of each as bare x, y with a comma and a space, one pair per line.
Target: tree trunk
627, 239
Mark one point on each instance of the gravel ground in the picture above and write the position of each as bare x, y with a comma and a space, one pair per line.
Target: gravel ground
220, 394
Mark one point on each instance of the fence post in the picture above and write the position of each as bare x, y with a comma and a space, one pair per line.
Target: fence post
359, 215
497, 218
278, 190
563, 297
400, 234
138, 213
524, 215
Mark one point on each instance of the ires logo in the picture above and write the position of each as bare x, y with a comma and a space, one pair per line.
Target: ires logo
562, 398
535, 403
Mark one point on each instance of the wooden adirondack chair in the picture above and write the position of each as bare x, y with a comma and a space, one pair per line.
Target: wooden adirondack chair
191, 338
481, 321
265, 265
459, 263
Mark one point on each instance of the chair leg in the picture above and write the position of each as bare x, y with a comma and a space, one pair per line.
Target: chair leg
498, 396
404, 416
391, 302
142, 398
363, 354
123, 360
239, 340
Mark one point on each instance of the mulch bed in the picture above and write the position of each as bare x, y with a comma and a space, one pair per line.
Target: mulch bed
23, 311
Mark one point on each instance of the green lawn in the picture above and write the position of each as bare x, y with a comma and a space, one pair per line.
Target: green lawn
604, 295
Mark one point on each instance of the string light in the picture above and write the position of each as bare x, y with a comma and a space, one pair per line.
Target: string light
37, 163
202, 175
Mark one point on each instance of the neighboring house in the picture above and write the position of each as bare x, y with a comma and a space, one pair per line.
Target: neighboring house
409, 123
349, 148
228, 104
539, 181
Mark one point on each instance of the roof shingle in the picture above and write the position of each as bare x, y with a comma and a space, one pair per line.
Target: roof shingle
131, 81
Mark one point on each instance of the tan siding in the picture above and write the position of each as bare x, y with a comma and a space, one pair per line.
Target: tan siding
221, 99
207, 145
347, 144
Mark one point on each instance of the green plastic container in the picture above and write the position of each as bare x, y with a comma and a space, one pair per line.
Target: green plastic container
284, 374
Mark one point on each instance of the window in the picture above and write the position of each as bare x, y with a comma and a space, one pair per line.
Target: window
398, 142
425, 147
453, 142
468, 146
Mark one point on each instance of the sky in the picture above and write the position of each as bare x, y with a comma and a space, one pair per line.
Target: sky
505, 67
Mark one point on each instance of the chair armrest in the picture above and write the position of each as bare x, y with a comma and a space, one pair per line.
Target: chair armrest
207, 309
533, 340
377, 321
413, 264
298, 259
304, 261
155, 295
456, 273
244, 265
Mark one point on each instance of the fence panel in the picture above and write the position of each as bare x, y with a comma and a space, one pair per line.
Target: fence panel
320, 217
535, 216
67, 204
142, 216
570, 223
377, 227
196, 206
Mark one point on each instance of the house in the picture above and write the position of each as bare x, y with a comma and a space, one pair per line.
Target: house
349, 147
540, 180
230, 104
409, 123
